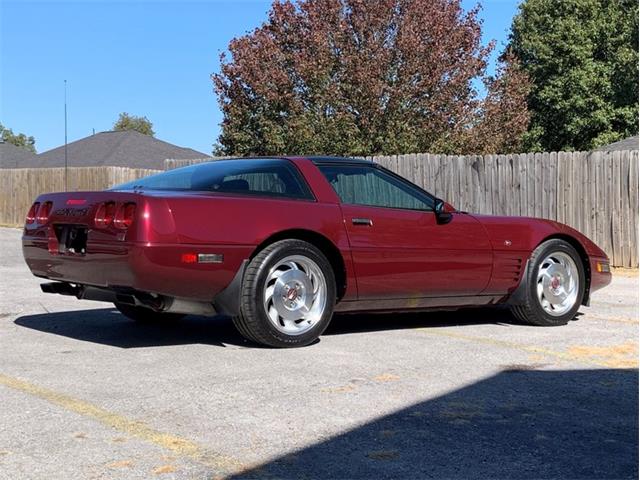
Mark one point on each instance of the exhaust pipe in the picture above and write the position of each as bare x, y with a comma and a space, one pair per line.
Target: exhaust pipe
83, 292
157, 303
189, 307
61, 288
164, 304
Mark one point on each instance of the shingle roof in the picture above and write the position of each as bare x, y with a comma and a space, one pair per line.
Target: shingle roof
125, 149
14, 157
630, 143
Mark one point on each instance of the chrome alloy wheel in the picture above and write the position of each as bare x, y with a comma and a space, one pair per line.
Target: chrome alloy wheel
558, 283
295, 295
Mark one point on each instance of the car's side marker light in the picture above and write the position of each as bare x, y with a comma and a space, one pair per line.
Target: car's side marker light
210, 258
189, 258
202, 258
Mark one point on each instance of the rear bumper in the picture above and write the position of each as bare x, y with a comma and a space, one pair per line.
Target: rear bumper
156, 269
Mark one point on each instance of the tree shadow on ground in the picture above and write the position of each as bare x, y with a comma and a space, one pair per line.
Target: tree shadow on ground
517, 424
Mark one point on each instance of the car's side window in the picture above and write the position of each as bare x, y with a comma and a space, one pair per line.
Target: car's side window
276, 180
367, 185
260, 182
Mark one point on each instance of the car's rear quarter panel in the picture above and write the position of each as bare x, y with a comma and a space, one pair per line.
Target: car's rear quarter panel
235, 226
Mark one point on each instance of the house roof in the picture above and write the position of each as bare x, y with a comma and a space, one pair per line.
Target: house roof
630, 143
124, 148
14, 157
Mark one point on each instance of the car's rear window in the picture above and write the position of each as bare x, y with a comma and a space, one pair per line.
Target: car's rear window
266, 177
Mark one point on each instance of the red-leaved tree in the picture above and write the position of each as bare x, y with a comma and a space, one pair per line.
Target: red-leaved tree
358, 77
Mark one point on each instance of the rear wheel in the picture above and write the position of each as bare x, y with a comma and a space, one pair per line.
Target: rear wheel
146, 315
288, 295
555, 283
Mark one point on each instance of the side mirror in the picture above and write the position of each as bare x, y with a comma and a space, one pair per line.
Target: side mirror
442, 215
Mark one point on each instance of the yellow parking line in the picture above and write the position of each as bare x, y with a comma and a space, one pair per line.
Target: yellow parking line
134, 428
605, 318
573, 355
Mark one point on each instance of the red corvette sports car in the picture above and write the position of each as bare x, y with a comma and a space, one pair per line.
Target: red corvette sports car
279, 244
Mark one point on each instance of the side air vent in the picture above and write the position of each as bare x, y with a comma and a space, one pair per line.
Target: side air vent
507, 268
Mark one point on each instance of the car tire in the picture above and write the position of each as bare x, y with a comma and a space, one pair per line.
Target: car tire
287, 296
555, 285
146, 315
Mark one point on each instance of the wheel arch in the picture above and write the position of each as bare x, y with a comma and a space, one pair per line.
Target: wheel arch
584, 257
324, 244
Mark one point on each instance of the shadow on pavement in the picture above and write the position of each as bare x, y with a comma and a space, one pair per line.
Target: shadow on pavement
107, 326
516, 424
372, 322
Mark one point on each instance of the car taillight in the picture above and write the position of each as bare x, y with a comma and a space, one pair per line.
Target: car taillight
43, 212
31, 216
124, 216
105, 215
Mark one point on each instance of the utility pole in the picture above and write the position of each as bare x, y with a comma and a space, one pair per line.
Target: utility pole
65, 136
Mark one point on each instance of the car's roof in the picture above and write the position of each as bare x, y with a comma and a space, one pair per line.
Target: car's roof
317, 159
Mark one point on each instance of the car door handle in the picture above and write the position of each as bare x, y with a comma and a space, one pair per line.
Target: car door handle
362, 221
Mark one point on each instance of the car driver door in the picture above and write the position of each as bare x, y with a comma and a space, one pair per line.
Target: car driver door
399, 249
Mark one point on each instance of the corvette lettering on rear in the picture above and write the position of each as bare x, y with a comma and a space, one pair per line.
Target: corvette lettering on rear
71, 212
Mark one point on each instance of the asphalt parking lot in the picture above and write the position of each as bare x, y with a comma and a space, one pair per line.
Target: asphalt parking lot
86, 393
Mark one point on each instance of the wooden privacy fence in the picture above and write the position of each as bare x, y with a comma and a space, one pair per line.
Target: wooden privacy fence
594, 192
19, 187
171, 163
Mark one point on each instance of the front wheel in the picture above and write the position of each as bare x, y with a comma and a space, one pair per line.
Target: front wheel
288, 295
555, 285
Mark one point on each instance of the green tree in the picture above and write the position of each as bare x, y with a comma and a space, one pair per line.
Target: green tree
582, 59
19, 140
132, 122
360, 77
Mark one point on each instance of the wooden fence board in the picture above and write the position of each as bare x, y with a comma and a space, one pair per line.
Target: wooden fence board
608, 203
602, 216
623, 173
633, 206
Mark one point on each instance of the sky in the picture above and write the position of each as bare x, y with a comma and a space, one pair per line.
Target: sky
148, 58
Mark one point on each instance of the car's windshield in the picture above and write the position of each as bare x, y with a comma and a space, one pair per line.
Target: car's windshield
270, 177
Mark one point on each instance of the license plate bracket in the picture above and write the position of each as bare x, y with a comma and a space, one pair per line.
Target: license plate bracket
72, 239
